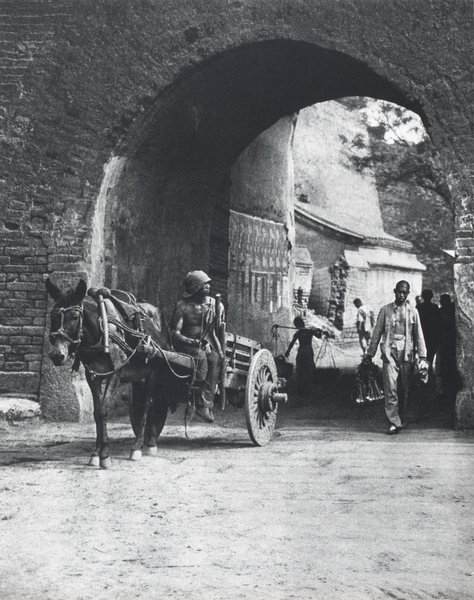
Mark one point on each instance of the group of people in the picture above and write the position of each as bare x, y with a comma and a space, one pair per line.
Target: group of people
405, 332
439, 328
402, 330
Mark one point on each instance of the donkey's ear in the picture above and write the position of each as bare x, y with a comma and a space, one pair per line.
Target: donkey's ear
80, 291
53, 291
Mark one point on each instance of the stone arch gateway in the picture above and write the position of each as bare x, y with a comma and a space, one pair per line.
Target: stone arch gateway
176, 157
169, 97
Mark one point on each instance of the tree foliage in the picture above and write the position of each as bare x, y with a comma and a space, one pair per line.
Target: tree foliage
415, 199
392, 155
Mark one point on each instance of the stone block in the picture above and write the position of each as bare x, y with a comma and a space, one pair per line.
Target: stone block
33, 356
22, 286
65, 395
9, 330
15, 366
23, 382
16, 407
33, 330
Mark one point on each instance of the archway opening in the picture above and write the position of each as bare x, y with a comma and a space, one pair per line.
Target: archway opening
168, 210
368, 214
177, 159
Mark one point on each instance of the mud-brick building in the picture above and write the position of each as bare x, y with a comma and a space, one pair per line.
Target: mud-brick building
122, 120
339, 220
303, 277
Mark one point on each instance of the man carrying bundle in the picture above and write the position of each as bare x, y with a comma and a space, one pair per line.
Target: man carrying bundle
398, 326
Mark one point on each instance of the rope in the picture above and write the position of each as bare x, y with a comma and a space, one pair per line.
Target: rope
274, 334
156, 347
61, 332
323, 349
191, 407
107, 374
125, 328
142, 337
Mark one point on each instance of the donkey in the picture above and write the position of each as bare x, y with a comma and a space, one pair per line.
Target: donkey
77, 329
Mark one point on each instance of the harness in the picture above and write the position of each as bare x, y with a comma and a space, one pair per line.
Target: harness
142, 345
61, 331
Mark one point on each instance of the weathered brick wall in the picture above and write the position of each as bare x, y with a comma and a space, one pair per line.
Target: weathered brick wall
86, 79
25, 27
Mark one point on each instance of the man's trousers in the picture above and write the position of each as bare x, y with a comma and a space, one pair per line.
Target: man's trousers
394, 367
208, 367
364, 340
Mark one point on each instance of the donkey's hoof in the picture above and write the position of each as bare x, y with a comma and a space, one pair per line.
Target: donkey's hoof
135, 455
94, 461
106, 463
150, 450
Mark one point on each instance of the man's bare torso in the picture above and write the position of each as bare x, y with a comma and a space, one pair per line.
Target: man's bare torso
193, 320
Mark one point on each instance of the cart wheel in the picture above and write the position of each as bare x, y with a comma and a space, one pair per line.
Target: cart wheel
260, 409
158, 411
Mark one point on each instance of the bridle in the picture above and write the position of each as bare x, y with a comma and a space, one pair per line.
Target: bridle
61, 333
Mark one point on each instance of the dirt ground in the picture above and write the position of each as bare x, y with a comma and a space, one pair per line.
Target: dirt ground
332, 508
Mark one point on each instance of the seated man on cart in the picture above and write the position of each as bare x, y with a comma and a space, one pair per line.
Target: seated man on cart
194, 333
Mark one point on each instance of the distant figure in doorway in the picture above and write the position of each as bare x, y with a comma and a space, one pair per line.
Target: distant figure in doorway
365, 323
305, 367
446, 366
398, 327
430, 323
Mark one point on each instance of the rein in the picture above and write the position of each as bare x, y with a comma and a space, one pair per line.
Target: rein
103, 325
94, 374
61, 333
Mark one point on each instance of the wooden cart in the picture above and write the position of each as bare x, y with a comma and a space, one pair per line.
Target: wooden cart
248, 379
251, 370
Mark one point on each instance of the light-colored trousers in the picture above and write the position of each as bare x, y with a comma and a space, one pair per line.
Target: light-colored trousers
394, 367
364, 340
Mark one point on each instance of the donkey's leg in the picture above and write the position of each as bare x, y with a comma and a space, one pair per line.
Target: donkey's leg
111, 386
102, 390
156, 421
149, 447
136, 451
151, 436
96, 390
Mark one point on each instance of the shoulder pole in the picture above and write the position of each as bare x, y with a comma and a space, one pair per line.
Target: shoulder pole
220, 332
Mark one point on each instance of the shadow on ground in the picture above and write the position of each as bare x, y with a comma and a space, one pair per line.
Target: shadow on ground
333, 402
330, 404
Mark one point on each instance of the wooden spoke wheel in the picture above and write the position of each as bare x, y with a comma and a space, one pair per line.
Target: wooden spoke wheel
158, 410
260, 407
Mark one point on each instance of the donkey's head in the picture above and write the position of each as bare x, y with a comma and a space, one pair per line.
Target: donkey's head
66, 320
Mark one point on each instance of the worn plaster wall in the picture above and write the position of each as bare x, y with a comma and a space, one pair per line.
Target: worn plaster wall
324, 175
262, 233
325, 250
179, 88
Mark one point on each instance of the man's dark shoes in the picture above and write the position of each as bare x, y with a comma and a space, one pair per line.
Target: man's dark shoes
205, 414
394, 430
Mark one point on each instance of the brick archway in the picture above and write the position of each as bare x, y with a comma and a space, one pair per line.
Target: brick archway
82, 79
177, 156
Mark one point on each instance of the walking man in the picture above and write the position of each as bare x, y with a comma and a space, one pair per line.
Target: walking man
398, 327
194, 333
364, 323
